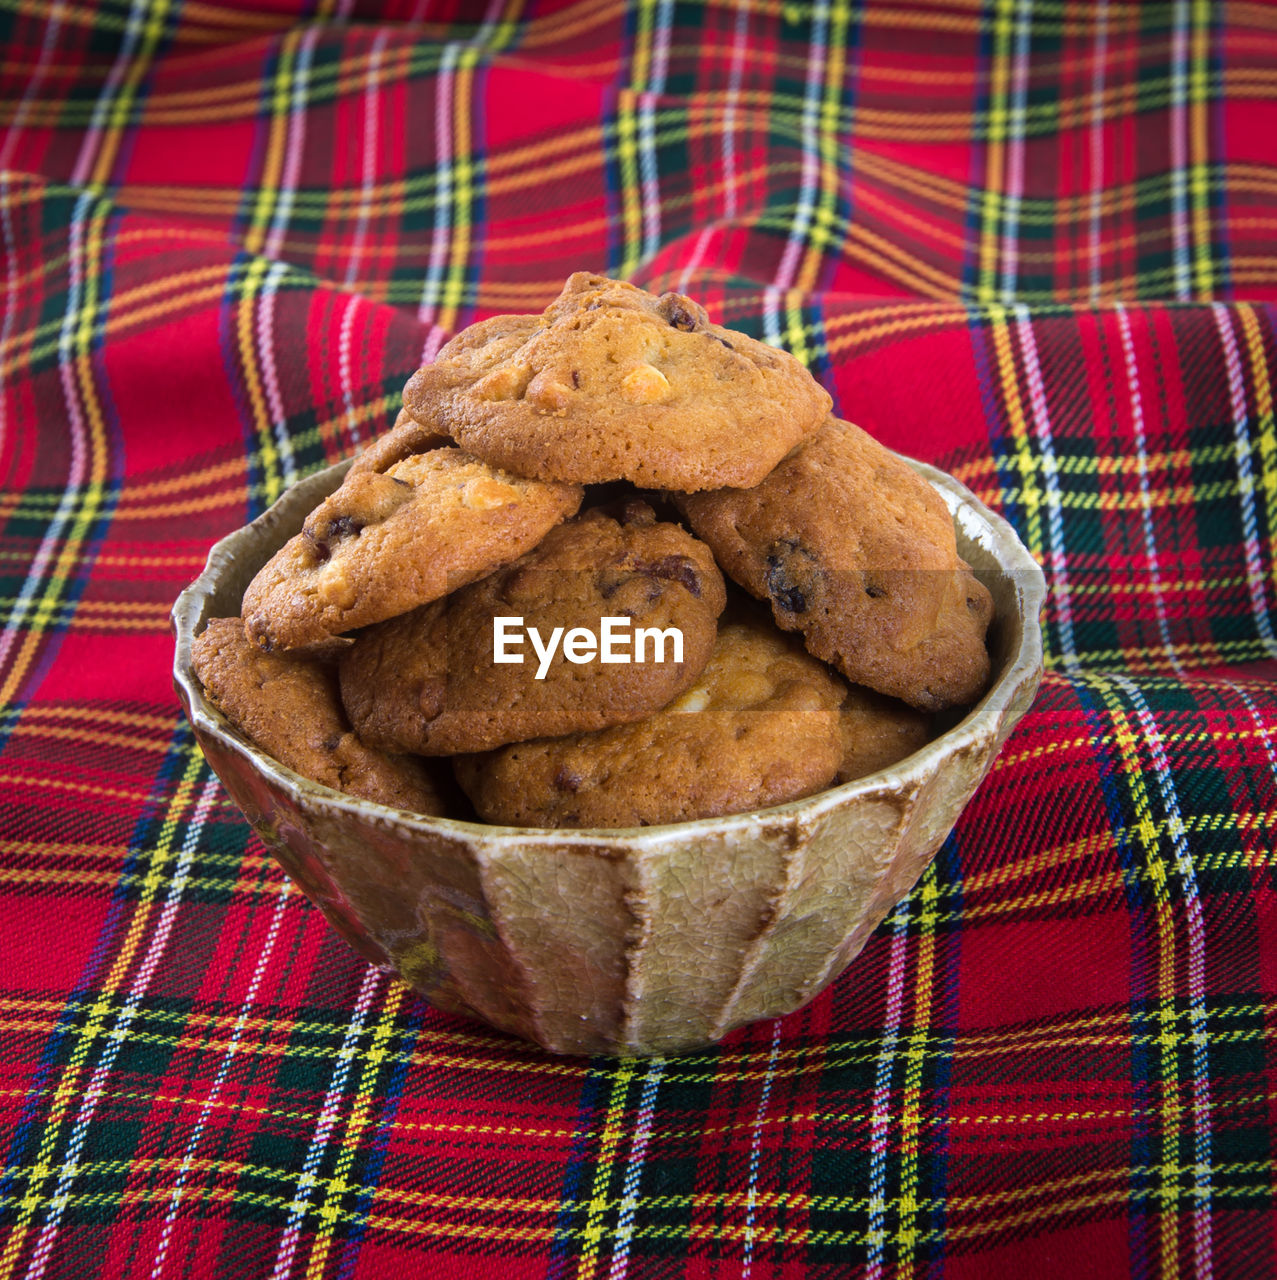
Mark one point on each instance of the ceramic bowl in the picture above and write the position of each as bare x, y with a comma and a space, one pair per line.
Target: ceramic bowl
645, 941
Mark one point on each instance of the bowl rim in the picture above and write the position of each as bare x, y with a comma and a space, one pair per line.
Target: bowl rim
1024, 668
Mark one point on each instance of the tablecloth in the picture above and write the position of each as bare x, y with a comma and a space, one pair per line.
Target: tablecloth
1031, 241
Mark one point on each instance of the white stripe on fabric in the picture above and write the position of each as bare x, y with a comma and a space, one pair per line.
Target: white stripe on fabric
634, 1170
78, 447
1245, 476
133, 28
881, 1115
328, 1114
1014, 193
649, 101
1097, 144
735, 80
1179, 151
1056, 555
755, 1152
346, 335
810, 128
1198, 1019
368, 160
270, 373
53, 26
116, 1036
1146, 501
223, 1069
445, 87
294, 145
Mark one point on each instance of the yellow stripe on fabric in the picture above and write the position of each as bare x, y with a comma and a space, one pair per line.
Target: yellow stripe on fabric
796, 331
1027, 464
268, 190
99, 715
631, 190
608, 1142
1199, 96
995, 151
272, 475
1145, 832
329, 1213
641, 62
122, 104
917, 1048
528, 165
90, 505
452, 295
98, 739
1266, 433
978, 1224
834, 124
68, 1090
1041, 119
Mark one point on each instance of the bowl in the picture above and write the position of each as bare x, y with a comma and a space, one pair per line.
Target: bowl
627, 942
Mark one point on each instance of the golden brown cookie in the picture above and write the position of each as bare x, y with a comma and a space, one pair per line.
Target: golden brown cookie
612, 382
403, 529
877, 732
429, 681
760, 727
289, 707
855, 550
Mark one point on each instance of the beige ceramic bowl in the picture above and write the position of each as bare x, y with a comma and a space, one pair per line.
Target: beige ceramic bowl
621, 942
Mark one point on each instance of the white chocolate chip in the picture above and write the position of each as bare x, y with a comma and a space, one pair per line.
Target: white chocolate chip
486, 494
335, 586
645, 384
696, 699
508, 382
548, 392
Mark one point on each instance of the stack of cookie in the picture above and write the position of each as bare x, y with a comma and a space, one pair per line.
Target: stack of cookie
521, 585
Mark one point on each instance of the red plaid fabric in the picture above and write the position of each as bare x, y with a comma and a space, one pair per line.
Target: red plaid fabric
1031, 242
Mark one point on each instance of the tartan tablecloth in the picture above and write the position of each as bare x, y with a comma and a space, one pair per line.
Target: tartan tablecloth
1029, 240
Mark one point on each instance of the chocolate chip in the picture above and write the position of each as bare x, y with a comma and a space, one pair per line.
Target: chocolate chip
634, 511
674, 569
790, 567
345, 527
318, 547
576, 378
791, 599
874, 591
724, 341
332, 743
566, 780
677, 314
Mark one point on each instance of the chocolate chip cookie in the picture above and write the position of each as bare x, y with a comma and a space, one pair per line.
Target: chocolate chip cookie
289, 707
607, 620
855, 550
877, 732
760, 727
404, 528
612, 382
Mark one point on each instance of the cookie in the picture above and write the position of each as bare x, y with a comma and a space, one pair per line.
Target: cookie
404, 528
429, 682
289, 706
760, 727
877, 732
612, 382
855, 550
